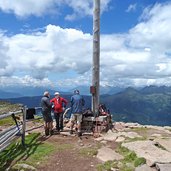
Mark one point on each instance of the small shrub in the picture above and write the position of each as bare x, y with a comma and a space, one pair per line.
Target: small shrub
107, 166
131, 156
139, 161
122, 150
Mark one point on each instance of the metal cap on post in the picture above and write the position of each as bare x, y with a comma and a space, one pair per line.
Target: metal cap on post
96, 56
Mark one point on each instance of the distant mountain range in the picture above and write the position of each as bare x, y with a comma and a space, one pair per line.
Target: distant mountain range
148, 105
15, 92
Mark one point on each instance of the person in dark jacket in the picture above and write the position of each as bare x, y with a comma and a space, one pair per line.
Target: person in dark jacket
77, 103
59, 104
46, 111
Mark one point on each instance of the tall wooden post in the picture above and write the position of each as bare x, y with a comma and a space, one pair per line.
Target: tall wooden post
96, 56
24, 126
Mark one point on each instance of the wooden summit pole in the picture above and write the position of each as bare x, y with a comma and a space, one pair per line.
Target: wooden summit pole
96, 57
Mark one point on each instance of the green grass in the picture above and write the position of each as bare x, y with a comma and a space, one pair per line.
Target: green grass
107, 166
140, 129
136, 139
130, 157
122, 150
139, 161
129, 162
143, 131
7, 121
35, 151
6, 107
88, 151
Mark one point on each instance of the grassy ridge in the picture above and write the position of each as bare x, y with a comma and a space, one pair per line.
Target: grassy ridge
6, 107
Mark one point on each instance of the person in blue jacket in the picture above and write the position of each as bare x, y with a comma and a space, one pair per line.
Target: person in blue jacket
77, 103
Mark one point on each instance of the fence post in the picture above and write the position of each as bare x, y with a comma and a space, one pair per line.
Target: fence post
24, 126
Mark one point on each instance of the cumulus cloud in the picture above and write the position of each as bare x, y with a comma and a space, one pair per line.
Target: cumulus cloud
140, 57
42, 7
26, 8
152, 30
25, 81
82, 8
40, 54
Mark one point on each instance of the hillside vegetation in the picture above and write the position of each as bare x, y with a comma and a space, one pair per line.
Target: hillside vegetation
150, 105
6, 107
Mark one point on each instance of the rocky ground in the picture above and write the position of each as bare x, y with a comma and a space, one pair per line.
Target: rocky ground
90, 153
118, 150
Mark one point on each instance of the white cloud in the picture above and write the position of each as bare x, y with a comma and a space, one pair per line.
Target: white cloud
42, 7
131, 7
25, 8
153, 30
25, 81
42, 54
140, 57
82, 8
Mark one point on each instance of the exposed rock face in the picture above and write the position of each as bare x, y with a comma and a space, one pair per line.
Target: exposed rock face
149, 151
105, 154
155, 150
144, 168
166, 143
114, 136
163, 167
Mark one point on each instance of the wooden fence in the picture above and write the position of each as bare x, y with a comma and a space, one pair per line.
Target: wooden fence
12, 132
19, 130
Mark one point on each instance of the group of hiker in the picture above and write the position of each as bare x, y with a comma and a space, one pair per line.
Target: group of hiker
58, 105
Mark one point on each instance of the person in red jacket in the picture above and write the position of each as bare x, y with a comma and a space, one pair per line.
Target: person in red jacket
59, 104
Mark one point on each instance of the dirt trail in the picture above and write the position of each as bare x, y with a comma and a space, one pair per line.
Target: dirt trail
71, 159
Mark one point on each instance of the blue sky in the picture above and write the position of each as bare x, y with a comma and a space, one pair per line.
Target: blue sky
49, 43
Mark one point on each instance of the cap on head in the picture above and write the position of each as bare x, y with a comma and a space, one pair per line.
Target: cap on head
56, 93
76, 92
46, 93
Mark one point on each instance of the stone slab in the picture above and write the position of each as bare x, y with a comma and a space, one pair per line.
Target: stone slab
166, 143
163, 167
149, 151
144, 168
106, 154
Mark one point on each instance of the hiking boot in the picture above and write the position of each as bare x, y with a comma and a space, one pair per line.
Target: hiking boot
46, 132
79, 134
51, 132
61, 129
71, 132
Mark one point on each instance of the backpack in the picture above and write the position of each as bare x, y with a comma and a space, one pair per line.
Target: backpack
102, 109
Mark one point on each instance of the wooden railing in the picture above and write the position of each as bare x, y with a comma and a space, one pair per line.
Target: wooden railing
12, 132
